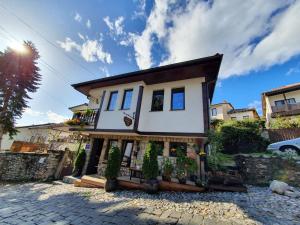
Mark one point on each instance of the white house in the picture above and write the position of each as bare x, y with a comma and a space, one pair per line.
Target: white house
281, 102
225, 111
167, 104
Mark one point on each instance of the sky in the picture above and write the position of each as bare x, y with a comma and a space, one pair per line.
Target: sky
85, 40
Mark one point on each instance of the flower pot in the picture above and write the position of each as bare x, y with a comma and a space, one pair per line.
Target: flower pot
111, 185
151, 186
166, 178
182, 180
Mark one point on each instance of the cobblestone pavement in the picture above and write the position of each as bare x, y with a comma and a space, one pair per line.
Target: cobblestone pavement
58, 203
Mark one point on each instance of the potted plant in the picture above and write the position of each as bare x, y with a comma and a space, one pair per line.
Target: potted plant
167, 170
191, 168
112, 169
181, 166
150, 169
79, 163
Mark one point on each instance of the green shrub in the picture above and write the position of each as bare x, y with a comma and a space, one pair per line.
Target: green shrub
285, 122
79, 161
167, 167
150, 163
180, 163
113, 163
234, 137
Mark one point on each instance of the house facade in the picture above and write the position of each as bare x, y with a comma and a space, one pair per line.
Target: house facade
225, 111
281, 102
168, 105
43, 134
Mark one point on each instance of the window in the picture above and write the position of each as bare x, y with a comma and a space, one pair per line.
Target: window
157, 101
111, 143
127, 99
174, 146
177, 99
214, 112
233, 118
279, 103
245, 117
291, 101
126, 153
159, 147
112, 101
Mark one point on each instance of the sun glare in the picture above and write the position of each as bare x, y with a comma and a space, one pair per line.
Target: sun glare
19, 47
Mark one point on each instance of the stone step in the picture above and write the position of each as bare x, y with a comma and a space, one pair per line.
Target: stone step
70, 179
92, 180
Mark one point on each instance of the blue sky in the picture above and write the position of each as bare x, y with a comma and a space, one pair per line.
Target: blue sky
80, 40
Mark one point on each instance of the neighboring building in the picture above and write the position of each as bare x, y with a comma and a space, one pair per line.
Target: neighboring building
220, 111
37, 134
167, 104
283, 101
225, 111
242, 114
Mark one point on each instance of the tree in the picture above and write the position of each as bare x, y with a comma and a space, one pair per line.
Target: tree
19, 76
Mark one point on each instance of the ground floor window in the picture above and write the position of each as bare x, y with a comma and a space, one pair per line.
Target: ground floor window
174, 146
111, 143
159, 147
127, 147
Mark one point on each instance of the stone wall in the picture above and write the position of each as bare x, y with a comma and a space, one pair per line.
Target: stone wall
28, 166
262, 170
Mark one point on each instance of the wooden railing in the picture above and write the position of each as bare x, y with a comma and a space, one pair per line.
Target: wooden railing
286, 107
89, 118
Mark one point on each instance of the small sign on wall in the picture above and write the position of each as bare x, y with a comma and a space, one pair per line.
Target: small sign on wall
87, 147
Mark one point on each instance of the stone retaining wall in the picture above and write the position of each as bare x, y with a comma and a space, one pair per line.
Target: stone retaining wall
262, 170
28, 166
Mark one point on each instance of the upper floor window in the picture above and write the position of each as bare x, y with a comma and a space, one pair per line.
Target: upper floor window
279, 103
245, 117
291, 101
177, 99
214, 112
157, 101
127, 99
112, 100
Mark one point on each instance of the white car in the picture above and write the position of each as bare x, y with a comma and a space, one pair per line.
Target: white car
286, 146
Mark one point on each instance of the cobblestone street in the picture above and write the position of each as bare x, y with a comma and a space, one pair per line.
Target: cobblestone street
58, 203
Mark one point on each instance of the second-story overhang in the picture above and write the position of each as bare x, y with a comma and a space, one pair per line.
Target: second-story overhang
207, 67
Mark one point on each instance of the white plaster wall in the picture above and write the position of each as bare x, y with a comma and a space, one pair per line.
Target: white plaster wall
189, 120
240, 115
114, 119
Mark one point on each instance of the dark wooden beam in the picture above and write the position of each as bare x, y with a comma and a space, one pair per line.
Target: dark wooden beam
138, 109
99, 110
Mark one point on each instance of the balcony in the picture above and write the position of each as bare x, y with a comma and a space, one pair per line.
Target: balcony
286, 110
83, 118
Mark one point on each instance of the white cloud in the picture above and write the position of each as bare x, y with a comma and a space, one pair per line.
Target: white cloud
55, 118
77, 17
252, 35
105, 71
48, 117
88, 24
219, 84
293, 70
140, 11
90, 50
30, 112
68, 45
257, 105
117, 32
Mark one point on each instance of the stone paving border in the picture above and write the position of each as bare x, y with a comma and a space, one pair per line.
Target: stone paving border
45, 203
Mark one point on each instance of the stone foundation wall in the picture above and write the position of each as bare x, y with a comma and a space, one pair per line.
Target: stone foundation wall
29, 166
262, 170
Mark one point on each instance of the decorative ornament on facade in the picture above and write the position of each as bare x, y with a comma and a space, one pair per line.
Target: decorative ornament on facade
128, 119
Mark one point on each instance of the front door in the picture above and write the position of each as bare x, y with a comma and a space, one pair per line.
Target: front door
95, 156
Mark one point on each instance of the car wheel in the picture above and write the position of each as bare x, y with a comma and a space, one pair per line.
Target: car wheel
289, 148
